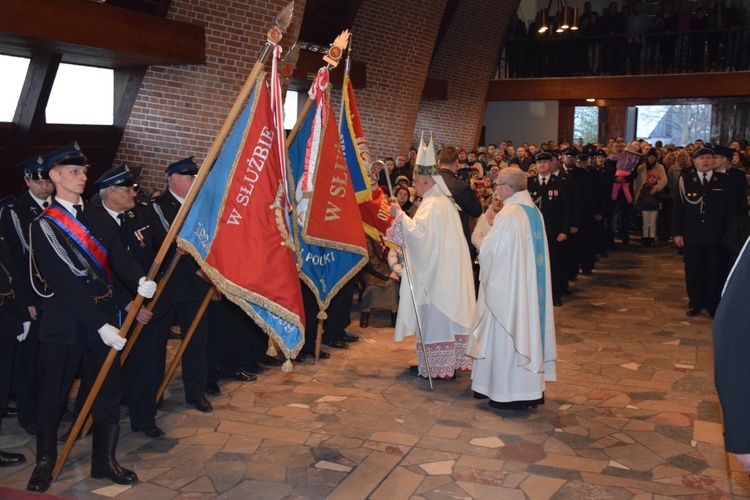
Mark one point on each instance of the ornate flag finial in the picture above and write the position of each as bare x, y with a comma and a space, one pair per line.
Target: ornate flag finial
337, 49
282, 23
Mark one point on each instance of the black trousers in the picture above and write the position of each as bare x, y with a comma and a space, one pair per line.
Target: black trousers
25, 373
226, 328
144, 370
557, 267
194, 358
706, 268
338, 315
7, 350
58, 365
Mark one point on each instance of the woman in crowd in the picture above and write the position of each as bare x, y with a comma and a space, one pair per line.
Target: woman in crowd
650, 181
485, 221
402, 197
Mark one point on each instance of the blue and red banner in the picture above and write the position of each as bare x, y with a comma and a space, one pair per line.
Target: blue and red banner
331, 241
237, 228
354, 144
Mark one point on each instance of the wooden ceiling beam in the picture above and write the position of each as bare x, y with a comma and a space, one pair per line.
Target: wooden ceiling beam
97, 34
697, 85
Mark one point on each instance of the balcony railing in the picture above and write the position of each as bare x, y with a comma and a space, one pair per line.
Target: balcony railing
566, 54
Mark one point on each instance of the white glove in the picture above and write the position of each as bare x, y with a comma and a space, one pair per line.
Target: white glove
26, 326
146, 288
111, 337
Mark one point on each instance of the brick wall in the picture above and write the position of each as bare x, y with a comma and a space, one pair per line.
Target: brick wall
395, 38
180, 109
467, 59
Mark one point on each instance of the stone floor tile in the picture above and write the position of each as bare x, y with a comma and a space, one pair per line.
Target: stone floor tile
400, 484
574, 463
662, 489
366, 477
488, 464
437, 468
539, 487
395, 437
708, 432
443, 431
475, 490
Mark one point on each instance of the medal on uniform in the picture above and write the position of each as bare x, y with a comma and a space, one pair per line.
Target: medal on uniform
139, 234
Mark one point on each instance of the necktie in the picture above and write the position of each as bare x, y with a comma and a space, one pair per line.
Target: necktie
45, 204
121, 219
544, 181
705, 178
78, 209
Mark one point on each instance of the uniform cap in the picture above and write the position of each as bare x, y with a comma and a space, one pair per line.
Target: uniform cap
186, 166
35, 168
70, 154
119, 175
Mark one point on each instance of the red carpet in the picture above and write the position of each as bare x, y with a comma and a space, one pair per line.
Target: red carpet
11, 494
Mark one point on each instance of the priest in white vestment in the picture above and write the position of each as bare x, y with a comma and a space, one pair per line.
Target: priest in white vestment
438, 267
512, 336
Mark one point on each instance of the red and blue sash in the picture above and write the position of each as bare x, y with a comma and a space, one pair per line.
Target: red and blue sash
81, 236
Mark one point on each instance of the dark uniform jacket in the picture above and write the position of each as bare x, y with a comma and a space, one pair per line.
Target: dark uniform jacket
11, 315
554, 201
701, 214
80, 301
15, 220
185, 285
466, 199
141, 233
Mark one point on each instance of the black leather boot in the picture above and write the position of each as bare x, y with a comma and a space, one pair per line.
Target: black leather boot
46, 455
393, 319
103, 462
10, 459
364, 319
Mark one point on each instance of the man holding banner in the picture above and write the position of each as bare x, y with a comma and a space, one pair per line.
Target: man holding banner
77, 259
437, 298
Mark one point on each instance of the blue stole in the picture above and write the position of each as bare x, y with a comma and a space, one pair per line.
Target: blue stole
537, 236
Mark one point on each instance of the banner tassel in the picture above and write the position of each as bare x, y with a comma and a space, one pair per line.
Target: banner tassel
287, 366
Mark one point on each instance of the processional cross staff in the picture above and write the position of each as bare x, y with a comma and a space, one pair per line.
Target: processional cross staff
392, 199
273, 37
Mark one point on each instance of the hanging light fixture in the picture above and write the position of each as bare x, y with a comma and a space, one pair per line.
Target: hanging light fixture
543, 22
574, 26
565, 19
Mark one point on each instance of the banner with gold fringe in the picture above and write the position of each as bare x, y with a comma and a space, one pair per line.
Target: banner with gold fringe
237, 229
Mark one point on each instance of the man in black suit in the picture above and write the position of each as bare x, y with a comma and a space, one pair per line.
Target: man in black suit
15, 220
703, 208
551, 195
141, 233
15, 323
722, 163
461, 192
187, 287
76, 257
732, 359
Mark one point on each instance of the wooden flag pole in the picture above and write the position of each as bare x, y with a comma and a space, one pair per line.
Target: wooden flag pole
183, 345
138, 327
332, 58
272, 39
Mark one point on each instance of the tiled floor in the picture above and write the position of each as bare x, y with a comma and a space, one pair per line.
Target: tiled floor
633, 415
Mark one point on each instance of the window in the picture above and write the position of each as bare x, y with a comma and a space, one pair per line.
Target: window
82, 95
677, 124
586, 124
290, 109
13, 70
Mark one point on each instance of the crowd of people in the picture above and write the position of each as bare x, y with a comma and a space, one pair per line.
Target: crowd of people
71, 271
714, 37
609, 190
